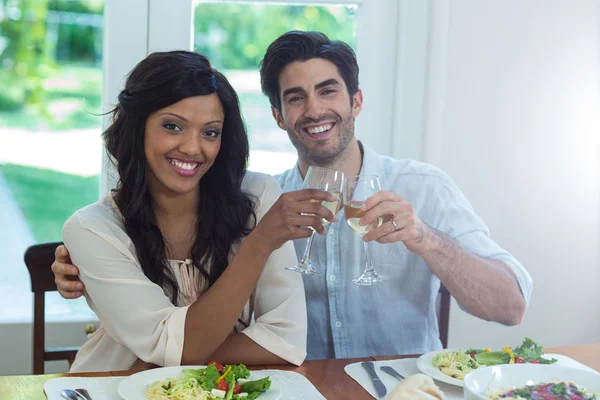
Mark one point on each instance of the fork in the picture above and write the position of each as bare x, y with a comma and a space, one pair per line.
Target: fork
83, 393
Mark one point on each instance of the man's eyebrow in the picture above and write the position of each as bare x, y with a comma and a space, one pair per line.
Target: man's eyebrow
320, 85
328, 82
293, 90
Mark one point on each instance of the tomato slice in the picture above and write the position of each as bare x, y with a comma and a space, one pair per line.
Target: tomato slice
472, 354
519, 360
534, 362
223, 386
218, 366
237, 389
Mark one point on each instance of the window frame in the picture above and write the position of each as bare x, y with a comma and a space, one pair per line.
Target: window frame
392, 44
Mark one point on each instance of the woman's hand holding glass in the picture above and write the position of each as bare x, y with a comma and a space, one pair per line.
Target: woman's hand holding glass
294, 215
330, 181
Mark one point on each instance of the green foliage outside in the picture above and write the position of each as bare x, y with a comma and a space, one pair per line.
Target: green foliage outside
47, 198
236, 36
72, 98
37, 54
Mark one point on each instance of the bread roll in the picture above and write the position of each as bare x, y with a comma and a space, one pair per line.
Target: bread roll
405, 389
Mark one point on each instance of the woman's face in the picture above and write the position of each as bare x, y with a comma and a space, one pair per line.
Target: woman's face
181, 143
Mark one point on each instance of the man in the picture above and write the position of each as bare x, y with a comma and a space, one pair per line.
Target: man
430, 232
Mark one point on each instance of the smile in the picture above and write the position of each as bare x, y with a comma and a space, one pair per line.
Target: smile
320, 129
185, 168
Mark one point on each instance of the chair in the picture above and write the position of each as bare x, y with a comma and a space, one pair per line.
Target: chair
39, 259
444, 315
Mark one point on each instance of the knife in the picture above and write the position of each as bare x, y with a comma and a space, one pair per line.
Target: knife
392, 372
379, 386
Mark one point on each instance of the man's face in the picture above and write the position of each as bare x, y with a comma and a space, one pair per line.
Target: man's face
316, 109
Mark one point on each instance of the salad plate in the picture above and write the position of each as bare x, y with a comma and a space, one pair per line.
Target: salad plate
425, 365
452, 365
134, 386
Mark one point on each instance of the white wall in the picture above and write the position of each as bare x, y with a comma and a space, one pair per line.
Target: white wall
16, 356
521, 137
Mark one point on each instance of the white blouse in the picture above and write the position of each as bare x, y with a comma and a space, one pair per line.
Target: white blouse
137, 319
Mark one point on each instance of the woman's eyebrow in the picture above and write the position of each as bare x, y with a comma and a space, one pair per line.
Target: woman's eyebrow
174, 115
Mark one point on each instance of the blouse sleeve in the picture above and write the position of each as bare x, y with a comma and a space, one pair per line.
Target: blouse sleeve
278, 301
134, 311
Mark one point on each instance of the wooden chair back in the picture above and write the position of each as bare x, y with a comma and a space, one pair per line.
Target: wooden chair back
39, 259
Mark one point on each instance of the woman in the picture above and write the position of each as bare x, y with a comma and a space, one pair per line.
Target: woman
187, 249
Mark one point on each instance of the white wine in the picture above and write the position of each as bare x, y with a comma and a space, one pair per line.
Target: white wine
333, 206
354, 214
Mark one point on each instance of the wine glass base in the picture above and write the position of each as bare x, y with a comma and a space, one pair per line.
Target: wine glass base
303, 269
369, 278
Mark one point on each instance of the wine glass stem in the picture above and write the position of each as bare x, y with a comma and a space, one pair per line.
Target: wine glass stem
306, 256
368, 265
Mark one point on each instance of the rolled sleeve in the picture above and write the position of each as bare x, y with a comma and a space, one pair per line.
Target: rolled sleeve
458, 220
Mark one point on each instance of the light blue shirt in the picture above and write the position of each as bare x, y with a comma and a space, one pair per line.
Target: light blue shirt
397, 316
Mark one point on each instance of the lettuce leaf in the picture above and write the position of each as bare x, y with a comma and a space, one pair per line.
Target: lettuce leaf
261, 385
240, 371
206, 377
530, 350
492, 358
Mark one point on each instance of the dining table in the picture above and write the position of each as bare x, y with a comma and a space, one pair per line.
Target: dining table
328, 376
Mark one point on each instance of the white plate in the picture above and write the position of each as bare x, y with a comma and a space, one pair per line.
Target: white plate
425, 366
508, 376
133, 387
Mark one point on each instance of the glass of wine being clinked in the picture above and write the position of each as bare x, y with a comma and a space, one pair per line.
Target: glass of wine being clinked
330, 181
357, 189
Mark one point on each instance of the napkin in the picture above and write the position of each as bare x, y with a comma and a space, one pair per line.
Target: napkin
405, 367
104, 388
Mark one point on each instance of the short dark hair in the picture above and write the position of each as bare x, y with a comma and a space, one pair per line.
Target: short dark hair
225, 213
303, 46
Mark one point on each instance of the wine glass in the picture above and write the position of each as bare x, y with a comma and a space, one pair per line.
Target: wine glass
330, 181
357, 189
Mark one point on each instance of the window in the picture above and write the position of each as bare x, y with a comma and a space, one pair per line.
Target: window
235, 37
50, 152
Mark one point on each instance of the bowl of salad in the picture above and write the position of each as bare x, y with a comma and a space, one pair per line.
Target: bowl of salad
532, 382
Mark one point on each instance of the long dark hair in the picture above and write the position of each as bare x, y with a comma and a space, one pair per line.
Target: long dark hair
303, 46
225, 212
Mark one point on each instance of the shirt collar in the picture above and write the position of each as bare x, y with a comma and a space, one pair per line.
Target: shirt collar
369, 161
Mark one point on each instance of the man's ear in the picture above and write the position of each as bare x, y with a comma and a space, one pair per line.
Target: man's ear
278, 118
357, 101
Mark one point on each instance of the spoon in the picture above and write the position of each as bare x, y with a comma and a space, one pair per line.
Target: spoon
70, 394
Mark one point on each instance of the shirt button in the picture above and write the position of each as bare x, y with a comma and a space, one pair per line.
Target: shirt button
332, 278
338, 324
331, 231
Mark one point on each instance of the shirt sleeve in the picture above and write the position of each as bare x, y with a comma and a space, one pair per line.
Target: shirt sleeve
279, 301
134, 311
457, 219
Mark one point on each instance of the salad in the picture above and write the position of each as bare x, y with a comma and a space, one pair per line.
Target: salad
458, 364
546, 391
229, 382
